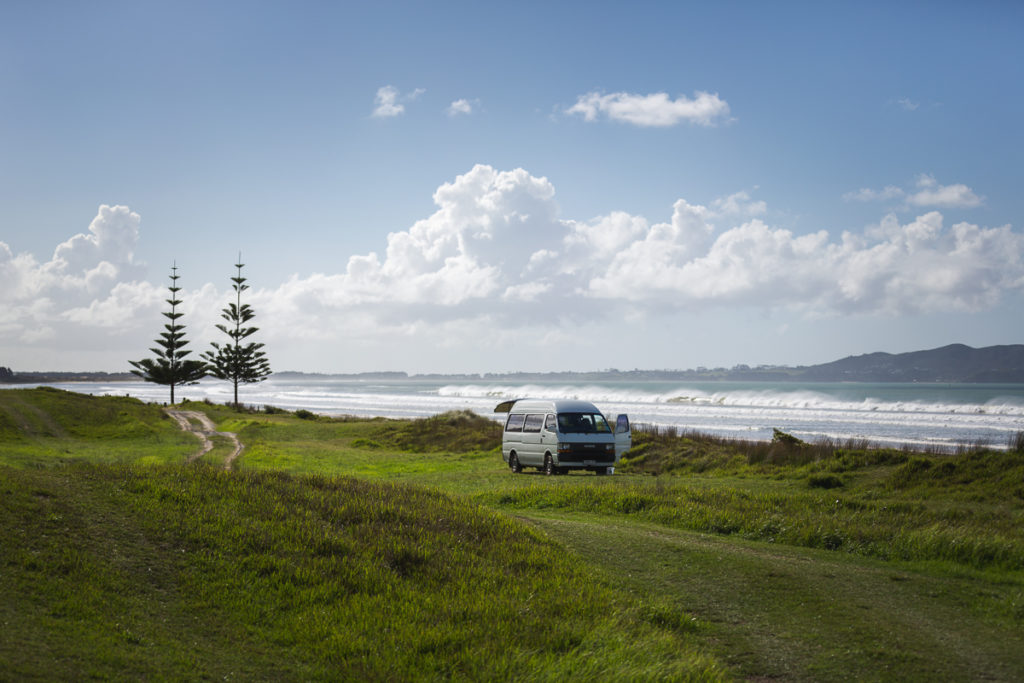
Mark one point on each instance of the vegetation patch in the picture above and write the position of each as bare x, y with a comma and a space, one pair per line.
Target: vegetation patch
45, 426
457, 431
903, 525
824, 481
699, 550
173, 572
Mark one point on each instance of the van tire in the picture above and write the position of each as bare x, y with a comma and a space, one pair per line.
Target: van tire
513, 463
549, 466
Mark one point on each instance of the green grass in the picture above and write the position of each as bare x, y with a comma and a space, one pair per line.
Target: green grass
392, 549
773, 612
44, 426
167, 571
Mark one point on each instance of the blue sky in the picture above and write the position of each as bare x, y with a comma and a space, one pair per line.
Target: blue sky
474, 187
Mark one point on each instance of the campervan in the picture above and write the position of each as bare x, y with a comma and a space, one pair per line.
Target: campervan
558, 436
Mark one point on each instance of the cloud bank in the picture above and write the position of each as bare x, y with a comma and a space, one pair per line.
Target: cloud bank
496, 261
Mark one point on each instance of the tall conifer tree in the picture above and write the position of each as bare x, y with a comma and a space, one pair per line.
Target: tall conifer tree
236, 362
170, 366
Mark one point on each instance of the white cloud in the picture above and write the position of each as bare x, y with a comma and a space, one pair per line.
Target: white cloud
462, 107
928, 193
739, 204
656, 109
866, 194
389, 101
495, 261
907, 104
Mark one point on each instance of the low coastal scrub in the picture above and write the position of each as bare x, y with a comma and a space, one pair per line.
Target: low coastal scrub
672, 451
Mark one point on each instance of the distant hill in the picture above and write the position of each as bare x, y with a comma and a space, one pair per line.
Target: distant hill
953, 363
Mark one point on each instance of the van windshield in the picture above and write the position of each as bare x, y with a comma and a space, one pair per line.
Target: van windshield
583, 423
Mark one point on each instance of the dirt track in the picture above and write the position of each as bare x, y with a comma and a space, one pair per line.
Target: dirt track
188, 420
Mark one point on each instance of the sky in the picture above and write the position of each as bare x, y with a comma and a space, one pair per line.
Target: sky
492, 187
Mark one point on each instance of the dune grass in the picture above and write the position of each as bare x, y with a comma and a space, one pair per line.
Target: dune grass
120, 570
45, 426
772, 612
697, 560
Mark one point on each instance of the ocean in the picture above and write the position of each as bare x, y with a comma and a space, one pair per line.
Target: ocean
938, 416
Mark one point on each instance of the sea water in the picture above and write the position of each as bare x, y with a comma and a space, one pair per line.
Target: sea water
941, 416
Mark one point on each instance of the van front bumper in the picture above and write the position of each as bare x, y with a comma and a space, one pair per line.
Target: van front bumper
584, 455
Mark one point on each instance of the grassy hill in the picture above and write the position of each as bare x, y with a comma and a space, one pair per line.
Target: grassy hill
341, 548
50, 426
134, 570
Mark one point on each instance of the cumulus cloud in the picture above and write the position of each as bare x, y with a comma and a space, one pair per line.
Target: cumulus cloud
389, 101
496, 260
463, 106
931, 193
653, 110
496, 247
91, 283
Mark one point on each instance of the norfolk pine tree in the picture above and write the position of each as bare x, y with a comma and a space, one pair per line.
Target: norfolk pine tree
237, 362
170, 367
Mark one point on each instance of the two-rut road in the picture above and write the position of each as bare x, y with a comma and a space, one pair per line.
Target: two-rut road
199, 424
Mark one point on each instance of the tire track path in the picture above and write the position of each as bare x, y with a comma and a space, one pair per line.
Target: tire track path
200, 424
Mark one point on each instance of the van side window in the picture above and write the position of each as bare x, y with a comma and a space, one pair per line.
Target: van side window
622, 424
533, 423
515, 423
550, 425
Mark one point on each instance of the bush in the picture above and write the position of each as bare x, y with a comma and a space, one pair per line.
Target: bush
1017, 443
824, 481
304, 414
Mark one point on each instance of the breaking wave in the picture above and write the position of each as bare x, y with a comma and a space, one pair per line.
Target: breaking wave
942, 416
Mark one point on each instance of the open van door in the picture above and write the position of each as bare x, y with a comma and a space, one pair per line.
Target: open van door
623, 436
505, 406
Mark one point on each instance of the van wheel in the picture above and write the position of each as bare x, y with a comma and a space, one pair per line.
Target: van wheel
601, 471
549, 466
513, 464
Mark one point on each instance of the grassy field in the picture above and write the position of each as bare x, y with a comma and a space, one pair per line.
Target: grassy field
384, 549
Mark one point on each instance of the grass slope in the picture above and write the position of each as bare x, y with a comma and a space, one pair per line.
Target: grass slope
772, 612
114, 570
759, 561
48, 426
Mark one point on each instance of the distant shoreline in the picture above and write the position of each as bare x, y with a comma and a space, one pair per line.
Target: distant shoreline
952, 364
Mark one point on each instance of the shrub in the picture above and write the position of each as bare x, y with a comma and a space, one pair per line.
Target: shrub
304, 414
1017, 443
824, 481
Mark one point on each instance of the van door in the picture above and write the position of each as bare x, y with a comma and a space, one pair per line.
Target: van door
512, 439
533, 450
549, 437
623, 436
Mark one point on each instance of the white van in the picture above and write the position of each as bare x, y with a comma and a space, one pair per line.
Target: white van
557, 436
